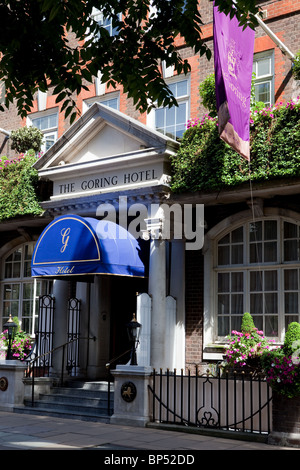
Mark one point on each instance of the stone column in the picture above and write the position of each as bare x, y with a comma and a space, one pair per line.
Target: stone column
157, 291
177, 290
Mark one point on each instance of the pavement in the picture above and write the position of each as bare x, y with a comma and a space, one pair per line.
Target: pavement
36, 432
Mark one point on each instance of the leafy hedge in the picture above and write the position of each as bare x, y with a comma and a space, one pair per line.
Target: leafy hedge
205, 163
18, 187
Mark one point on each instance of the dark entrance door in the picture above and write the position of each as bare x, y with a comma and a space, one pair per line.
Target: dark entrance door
123, 304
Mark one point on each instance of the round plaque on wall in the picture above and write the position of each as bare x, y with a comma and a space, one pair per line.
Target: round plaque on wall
3, 384
128, 391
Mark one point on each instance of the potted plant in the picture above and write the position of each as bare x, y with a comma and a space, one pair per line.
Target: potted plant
245, 347
21, 343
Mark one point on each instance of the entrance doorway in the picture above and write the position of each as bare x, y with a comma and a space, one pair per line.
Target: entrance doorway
123, 304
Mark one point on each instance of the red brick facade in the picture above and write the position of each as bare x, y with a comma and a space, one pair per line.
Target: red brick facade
283, 18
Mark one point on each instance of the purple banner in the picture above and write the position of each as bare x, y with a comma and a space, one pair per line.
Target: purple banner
233, 57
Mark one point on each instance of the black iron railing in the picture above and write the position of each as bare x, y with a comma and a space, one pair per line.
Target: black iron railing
40, 365
237, 402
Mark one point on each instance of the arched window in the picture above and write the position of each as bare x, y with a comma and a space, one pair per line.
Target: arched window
257, 269
19, 291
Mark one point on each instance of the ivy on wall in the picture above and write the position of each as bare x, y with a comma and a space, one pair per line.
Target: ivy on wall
205, 163
18, 187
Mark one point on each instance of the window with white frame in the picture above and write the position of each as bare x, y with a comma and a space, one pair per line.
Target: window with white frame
19, 291
104, 22
258, 271
263, 69
47, 122
111, 100
172, 121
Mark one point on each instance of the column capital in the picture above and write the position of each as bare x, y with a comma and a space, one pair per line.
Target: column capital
153, 230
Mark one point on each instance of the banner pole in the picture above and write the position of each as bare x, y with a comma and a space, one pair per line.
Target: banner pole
275, 39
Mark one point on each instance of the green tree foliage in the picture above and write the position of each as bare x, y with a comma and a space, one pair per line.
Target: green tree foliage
36, 51
205, 163
18, 183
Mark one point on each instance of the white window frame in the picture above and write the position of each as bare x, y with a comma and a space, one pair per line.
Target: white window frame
151, 118
98, 16
266, 78
211, 270
104, 99
48, 132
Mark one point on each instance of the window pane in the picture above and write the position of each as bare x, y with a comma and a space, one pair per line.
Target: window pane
223, 282
236, 322
237, 282
159, 118
270, 227
181, 114
263, 92
291, 302
255, 281
291, 250
237, 254
237, 235
256, 303
290, 279
259, 322
255, 230
263, 67
223, 326
271, 326
290, 230
170, 116
270, 280
223, 304
271, 303
256, 253
237, 303
182, 89
270, 252
225, 240
223, 255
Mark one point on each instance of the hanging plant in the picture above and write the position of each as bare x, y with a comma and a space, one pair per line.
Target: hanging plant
26, 138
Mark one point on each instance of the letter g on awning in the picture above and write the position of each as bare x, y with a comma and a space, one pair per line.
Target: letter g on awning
75, 246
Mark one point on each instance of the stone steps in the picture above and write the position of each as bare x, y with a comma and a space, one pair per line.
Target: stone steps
79, 400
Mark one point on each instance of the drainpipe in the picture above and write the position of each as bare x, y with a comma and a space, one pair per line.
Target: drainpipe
275, 39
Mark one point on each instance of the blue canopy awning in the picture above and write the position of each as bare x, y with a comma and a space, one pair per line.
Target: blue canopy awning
75, 246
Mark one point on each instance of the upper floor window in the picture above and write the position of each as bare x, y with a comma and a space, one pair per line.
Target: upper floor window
110, 100
105, 22
263, 68
47, 122
172, 121
258, 271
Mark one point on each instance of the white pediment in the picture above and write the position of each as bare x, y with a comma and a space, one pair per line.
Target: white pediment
105, 145
108, 142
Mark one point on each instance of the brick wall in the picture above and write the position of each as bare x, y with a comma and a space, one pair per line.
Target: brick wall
285, 421
194, 308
